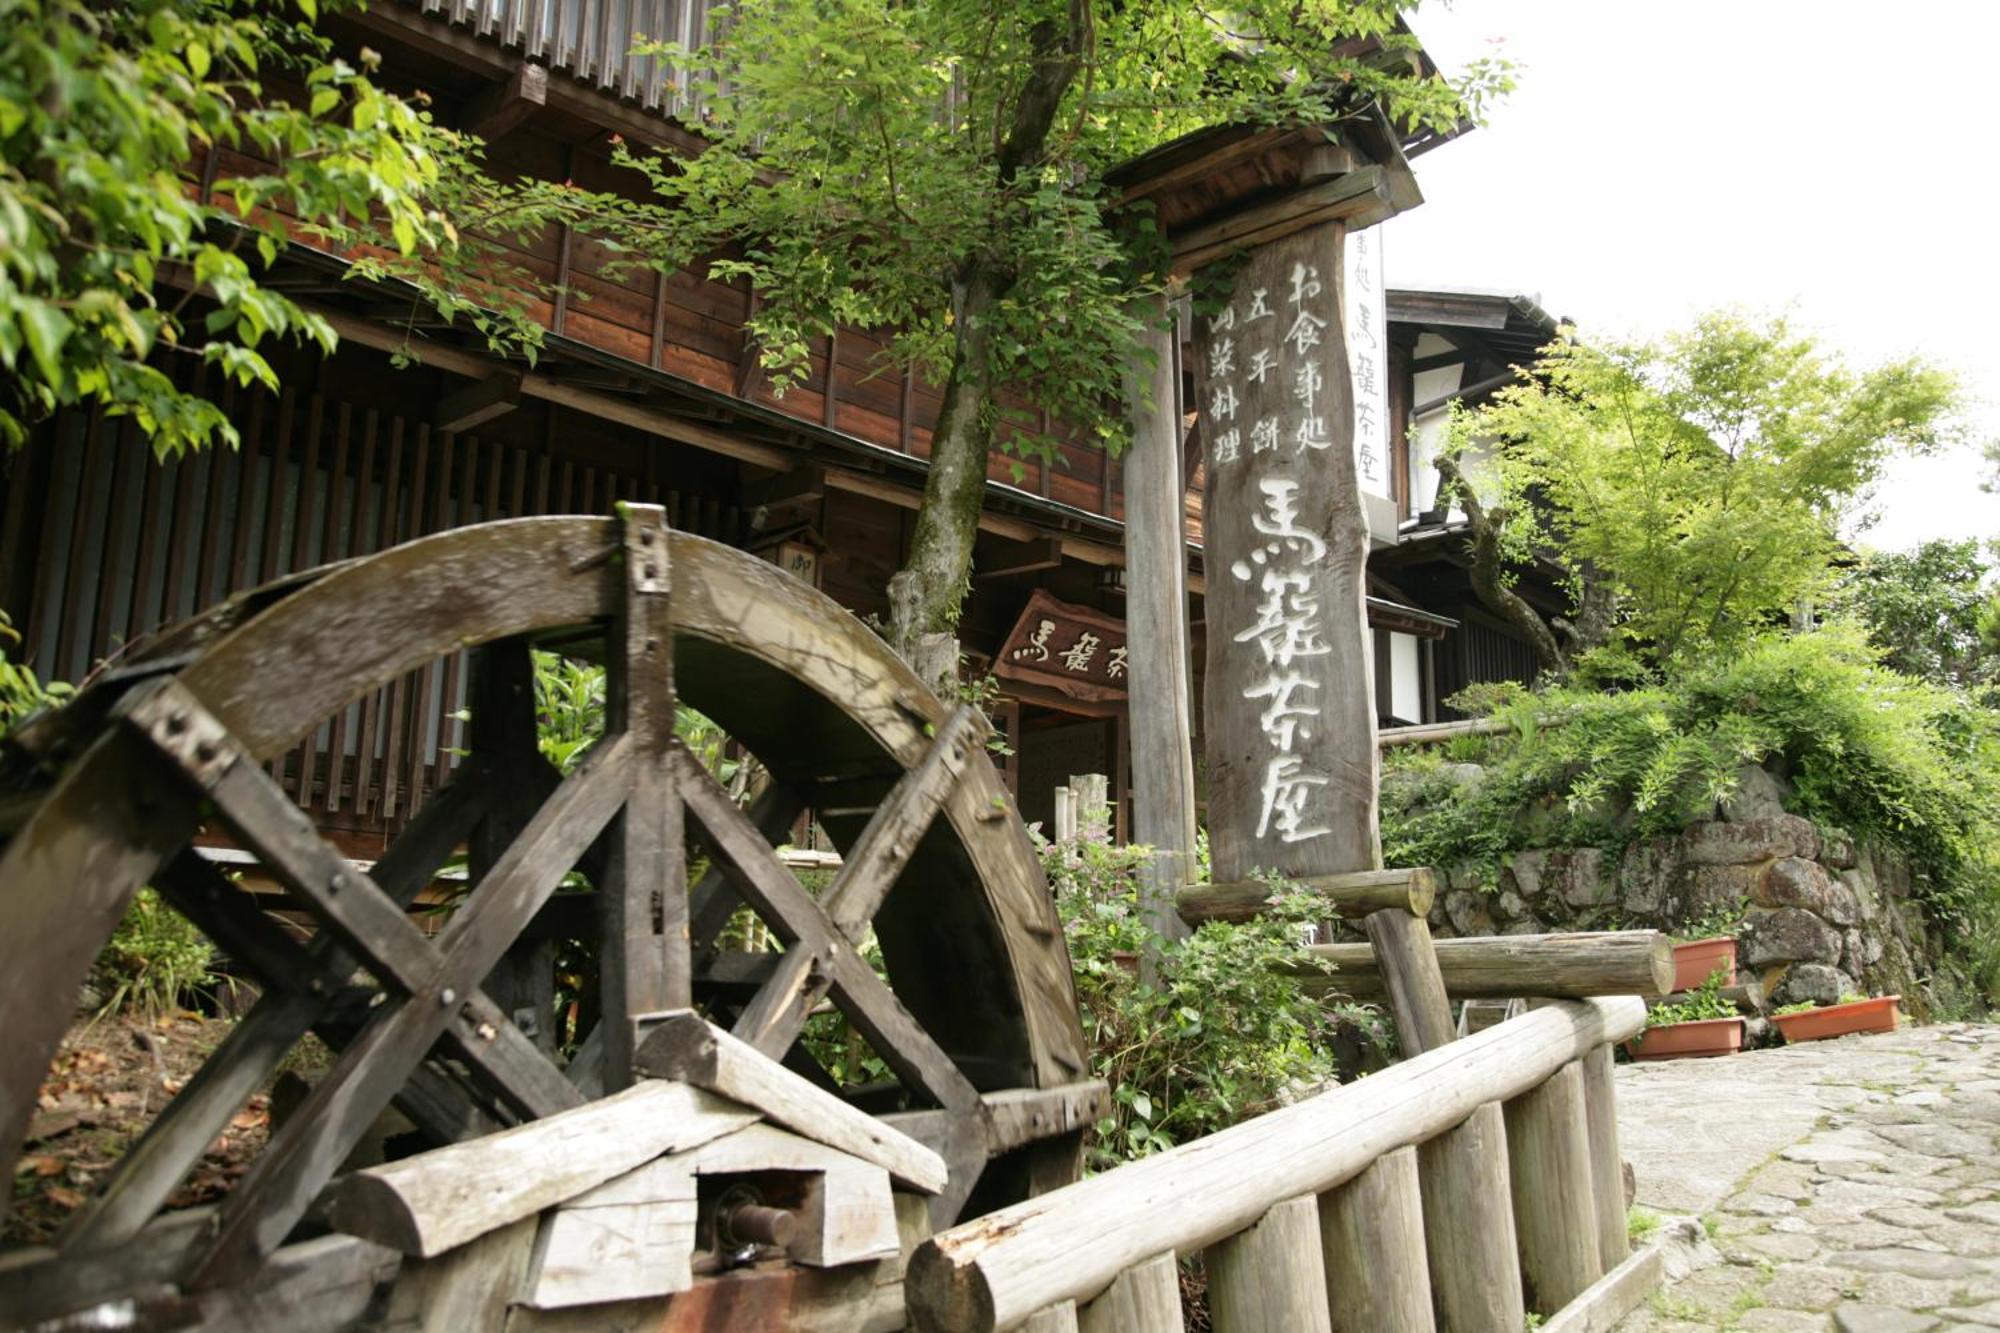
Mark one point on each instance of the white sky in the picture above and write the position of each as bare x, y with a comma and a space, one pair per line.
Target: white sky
1663, 157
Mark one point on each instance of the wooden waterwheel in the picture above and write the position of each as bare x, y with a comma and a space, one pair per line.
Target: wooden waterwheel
976, 1015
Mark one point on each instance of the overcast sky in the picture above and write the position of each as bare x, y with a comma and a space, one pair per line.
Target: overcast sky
1662, 157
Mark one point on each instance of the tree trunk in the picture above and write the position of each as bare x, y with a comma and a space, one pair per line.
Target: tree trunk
1487, 579
926, 594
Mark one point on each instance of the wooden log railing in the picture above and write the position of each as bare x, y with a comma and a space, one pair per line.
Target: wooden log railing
1320, 1217
1569, 966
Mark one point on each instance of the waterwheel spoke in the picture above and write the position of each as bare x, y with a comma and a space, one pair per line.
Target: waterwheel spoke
644, 960
713, 899
834, 963
436, 983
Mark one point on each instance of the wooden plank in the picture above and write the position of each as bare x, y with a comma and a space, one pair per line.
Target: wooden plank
683, 1045
1071, 1243
1355, 894
1612, 1297
439, 1200
1410, 979
467, 1288
631, 1237
846, 1214
1468, 1220
1559, 966
1607, 1163
317, 1286
1555, 1204
1372, 1239
1270, 1276
1161, 711
1352, 198
1146, 1298
498, 109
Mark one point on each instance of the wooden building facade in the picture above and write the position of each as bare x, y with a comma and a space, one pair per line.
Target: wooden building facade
648, 389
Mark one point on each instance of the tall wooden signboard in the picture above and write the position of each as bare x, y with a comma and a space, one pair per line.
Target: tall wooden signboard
1290, 732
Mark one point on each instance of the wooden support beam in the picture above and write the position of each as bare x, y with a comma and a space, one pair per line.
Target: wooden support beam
477, 404
1567, 966
439, 1200
504, 106
1410, 979
1042, 554
773, 499
1271, 1275
1555, 1208
685, 1046
1469, 1222
1372, 1236
1607, 1165
1355, 893
1612, 1296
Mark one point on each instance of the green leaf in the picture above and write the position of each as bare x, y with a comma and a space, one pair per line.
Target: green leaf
197, 59
45, 329
324, 100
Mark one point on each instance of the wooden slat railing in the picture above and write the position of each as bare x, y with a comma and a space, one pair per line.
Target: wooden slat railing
1467, 1186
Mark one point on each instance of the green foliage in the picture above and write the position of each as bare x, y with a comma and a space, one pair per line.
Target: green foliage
1931, 610
1701, 481
872, 157
154, 960
21, 691
1868, 750
102, 110
1801, 1007
1640, 1223
1722, 919
1703, 1002
1225, 1031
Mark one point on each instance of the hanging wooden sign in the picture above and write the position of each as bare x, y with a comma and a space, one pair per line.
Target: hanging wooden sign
1289, 694
1075, 649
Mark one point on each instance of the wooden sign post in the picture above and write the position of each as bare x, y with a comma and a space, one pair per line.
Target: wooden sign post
1290, 700
1290, 736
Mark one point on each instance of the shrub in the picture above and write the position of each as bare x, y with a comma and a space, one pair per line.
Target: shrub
154, 960
1882, 755
1704, 1001
1225, 1030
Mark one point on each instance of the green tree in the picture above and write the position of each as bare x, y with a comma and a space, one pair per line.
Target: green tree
1691, 491
1931, 610
935, 171
105, 241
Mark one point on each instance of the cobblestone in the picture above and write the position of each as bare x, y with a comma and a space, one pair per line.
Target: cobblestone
1849, 1186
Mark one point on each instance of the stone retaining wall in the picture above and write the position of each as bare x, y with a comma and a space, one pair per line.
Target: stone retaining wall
1820, 915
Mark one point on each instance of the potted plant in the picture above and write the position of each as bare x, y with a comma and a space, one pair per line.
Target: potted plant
1854, 1013
1706, 946
1705, 1023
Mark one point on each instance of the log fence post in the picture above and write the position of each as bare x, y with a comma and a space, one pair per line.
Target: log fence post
1372, 1236
1270, 1278
1146, 1298
1555, 1203
1607, 1165
1469, 1226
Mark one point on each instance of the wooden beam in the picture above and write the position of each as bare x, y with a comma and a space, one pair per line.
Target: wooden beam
1568, 966
1612, 1296
502, 107
1359, 198
1456, 356
477, 404
1555, 1213
1354, 893
683, 1045
1045, 553
439, 1200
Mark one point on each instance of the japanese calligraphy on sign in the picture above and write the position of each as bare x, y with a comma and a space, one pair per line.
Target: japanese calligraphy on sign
1077, 650
1364, 314
1290, 714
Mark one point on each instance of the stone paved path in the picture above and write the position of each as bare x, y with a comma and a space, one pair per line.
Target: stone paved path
1848, 1185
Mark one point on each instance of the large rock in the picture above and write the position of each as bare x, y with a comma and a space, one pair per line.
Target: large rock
1574, 876
1836, 848
1793, 881
1704, 890
1645, 871
1813, 983
1467, 913
1725, 843
1759, 794
1788, 935
1859, 880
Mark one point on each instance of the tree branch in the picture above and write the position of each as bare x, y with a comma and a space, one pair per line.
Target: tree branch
1487, 564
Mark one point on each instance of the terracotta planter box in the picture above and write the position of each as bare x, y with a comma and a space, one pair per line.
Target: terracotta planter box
1839, 1020
1697, 961
1682, 1041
